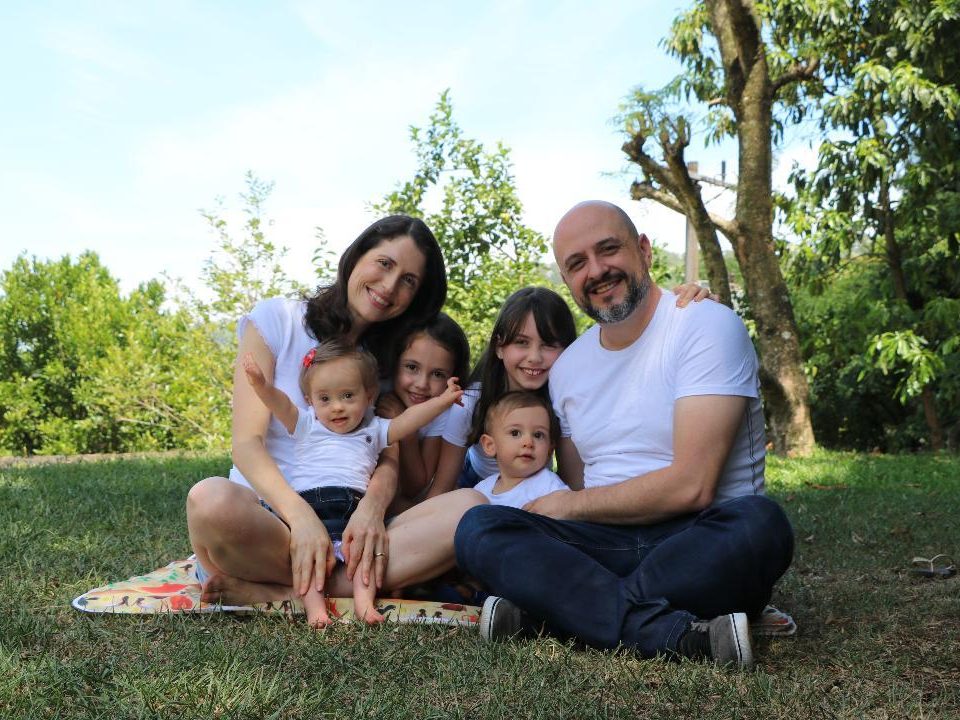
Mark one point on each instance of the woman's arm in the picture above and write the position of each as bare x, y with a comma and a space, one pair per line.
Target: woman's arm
365, 540
449, 467
311, 553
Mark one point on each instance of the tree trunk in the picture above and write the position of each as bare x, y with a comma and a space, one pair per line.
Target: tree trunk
749, 92
713, 260
899, 277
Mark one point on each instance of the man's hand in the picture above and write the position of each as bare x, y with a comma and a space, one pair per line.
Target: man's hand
559, 505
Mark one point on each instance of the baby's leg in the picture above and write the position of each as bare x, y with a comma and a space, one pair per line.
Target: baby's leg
364, 596
315, 603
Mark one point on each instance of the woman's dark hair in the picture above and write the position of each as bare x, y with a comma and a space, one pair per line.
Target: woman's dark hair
444, 330
555, 326
327, 315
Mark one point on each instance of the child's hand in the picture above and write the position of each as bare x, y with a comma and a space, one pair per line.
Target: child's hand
453, 393
254, 374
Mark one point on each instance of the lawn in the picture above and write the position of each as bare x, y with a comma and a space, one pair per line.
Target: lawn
874, 640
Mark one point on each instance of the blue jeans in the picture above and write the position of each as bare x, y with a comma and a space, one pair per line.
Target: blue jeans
635, 585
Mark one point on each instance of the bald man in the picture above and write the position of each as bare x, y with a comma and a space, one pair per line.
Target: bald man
669, 545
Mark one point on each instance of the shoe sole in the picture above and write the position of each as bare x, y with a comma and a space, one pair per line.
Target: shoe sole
741, 633
487, 613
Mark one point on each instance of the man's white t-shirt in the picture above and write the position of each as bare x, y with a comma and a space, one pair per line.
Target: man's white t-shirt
617, 405
457, 430
542, 483
328, 459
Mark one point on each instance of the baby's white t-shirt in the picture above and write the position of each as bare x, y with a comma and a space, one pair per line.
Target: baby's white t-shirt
537, 485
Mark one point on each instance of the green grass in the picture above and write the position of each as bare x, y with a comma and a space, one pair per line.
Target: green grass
874, 641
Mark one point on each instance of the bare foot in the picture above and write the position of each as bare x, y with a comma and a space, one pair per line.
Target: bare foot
370, 616
315, 604
364, 607
234, 591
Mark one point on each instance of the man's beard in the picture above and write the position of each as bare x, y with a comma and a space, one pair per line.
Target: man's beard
637, 289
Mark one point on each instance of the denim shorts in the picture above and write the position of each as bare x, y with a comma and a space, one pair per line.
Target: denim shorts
333, 505
468, 476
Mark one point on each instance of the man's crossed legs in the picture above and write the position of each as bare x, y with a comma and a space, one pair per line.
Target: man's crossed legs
641, 586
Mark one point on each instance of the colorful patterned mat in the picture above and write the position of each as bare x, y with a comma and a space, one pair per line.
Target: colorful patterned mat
174, 589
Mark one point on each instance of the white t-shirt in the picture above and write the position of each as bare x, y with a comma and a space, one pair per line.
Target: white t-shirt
617, 406
436, 427
459, 420
542, 483
279, 321
328, 459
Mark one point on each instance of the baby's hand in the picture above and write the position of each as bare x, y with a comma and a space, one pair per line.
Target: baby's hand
254, 374
453, 393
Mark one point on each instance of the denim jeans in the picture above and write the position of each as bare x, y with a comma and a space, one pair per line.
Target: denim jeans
635, 585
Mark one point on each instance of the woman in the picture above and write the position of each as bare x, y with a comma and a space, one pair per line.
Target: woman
254, 536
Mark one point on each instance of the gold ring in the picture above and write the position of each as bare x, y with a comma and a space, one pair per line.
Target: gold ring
379, 554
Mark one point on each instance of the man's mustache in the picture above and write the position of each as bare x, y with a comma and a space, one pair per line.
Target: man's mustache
608, 276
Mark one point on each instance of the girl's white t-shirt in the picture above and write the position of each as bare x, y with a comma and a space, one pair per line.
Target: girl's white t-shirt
459, 418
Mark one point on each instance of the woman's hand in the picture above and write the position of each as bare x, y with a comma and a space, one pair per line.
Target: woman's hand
311, 551
691, 291
366, 544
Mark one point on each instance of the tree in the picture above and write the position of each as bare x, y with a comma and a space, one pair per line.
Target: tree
886, 188
489, 251
85, 369
727, 66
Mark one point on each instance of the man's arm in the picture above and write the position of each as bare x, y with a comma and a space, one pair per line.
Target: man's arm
569, 464
704, 430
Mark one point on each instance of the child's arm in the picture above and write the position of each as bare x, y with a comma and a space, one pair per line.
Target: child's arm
449, 467
416, 416
276, 400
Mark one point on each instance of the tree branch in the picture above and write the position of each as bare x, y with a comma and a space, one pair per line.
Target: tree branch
797, 72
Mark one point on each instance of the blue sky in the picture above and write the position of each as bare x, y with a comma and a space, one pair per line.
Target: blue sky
121, 120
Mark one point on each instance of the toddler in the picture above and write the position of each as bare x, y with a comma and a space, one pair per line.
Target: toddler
338, 441
520, 431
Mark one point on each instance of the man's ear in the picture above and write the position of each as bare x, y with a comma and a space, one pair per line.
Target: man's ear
489, 445
646, 250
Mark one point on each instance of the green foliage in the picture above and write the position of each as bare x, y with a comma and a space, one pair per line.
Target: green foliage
467, 196
885, 189
87, 370
247, 268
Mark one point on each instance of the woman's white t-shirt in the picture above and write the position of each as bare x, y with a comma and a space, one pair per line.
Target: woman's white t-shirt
279, 322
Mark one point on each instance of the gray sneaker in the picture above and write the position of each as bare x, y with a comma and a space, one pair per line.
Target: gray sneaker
500, 619
730, 640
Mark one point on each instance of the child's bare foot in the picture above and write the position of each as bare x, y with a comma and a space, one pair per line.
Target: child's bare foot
234, 591
315, 604
364, 607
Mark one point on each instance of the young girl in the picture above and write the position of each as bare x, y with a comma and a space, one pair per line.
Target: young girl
338, 442
429, 355
533, 327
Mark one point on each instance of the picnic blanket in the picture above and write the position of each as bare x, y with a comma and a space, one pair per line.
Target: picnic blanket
174, 589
